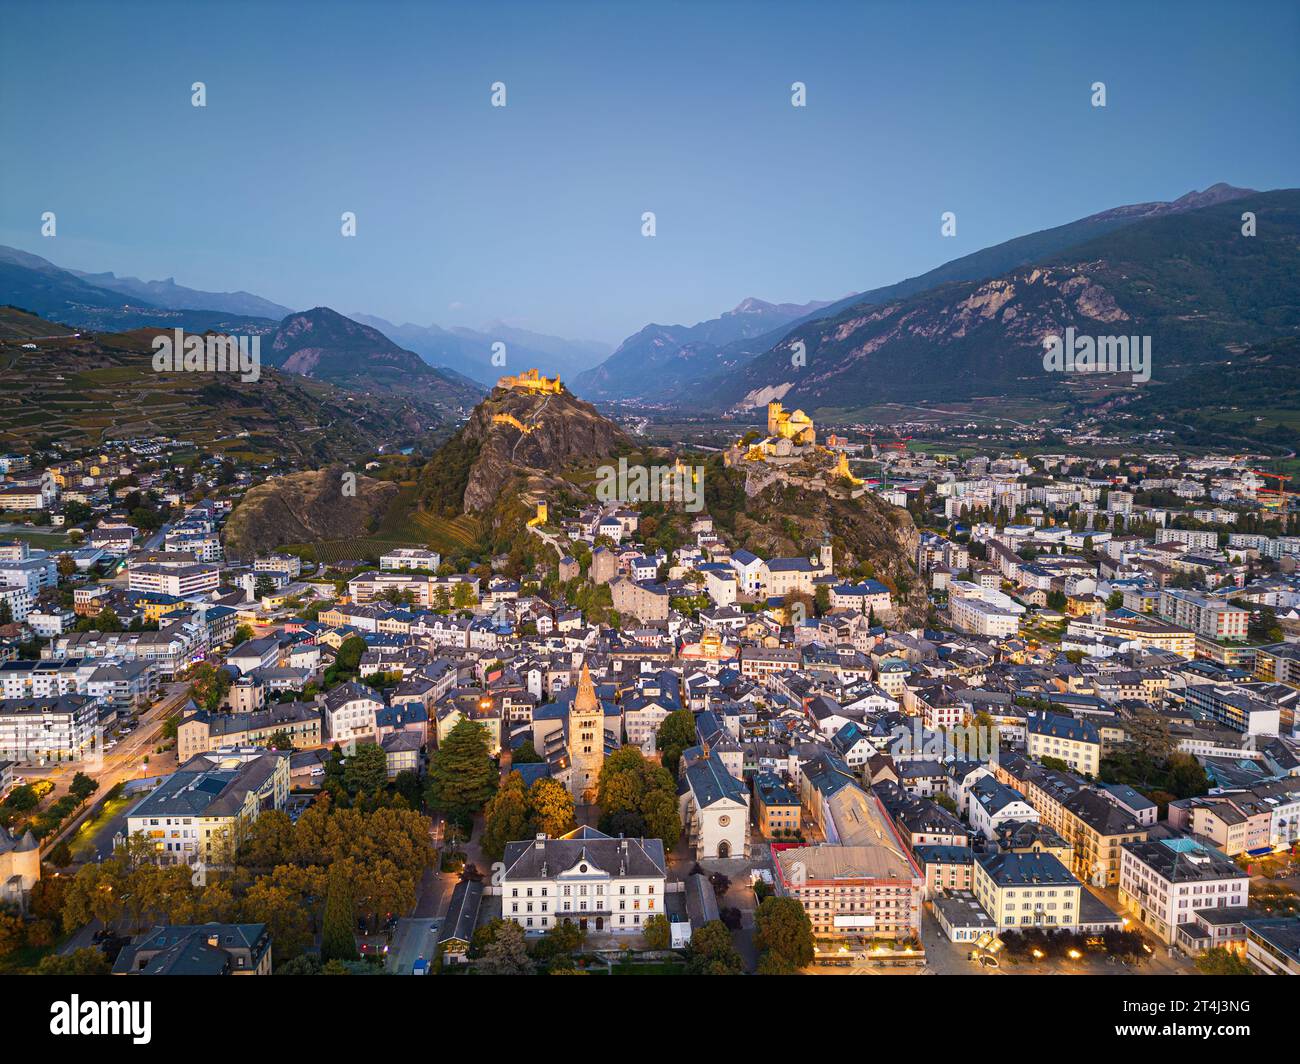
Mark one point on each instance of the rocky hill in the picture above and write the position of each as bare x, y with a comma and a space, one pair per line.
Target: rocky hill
871, 538
305, 507
513, 434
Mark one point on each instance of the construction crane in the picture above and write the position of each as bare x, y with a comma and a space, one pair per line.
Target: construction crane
1274, 498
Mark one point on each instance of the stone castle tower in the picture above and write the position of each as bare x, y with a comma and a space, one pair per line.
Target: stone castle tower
20, 867
586, 740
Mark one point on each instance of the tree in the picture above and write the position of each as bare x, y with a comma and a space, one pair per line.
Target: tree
208, 685
1148, 731
550, 808
61, 855
508, 953
366, 771
82, 786
243, 634
1221, 961
1263, 627
348, 658
526, 754
676, 733
657, 932
338, 939
280, 740
783, 935
13, 935
506, 817
633, 791
274, 900
712, 952
87, 961
1114, 600
303, 964
462, 776
557, 946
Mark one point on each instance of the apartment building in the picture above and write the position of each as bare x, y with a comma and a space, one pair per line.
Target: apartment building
1214, 618
180, 579
1234, 707
1278, 663
975, 616
198, 949
203, 731
410, 558
1076, 742
1145, 632
1023, 890
776, 807
200, 811
44, 730
1163, 881
1090, 820
350, 712
870, 890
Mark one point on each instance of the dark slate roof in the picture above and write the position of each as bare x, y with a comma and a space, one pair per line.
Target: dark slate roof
1026, 869
618, 857
462, 912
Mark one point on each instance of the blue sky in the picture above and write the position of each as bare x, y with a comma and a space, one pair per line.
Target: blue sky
532, 213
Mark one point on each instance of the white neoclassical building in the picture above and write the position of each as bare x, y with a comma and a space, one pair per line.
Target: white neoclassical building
585, 877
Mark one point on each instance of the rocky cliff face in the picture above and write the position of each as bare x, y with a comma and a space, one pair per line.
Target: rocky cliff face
304, 507
512, 434
785, 521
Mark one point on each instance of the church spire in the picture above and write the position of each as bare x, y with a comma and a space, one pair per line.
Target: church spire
585, 700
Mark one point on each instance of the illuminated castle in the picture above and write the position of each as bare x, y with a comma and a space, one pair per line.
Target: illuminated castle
842, 469
532, 381
797, 427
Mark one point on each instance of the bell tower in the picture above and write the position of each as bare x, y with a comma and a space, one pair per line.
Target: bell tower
586, 740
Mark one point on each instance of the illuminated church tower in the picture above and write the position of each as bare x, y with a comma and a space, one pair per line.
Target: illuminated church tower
586, 740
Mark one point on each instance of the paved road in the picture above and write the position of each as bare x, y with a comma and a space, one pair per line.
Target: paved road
126, 760
416, 935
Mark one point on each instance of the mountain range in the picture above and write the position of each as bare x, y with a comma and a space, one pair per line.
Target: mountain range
661, 360
694, 369
470, 352
1188, 279
1180, 272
